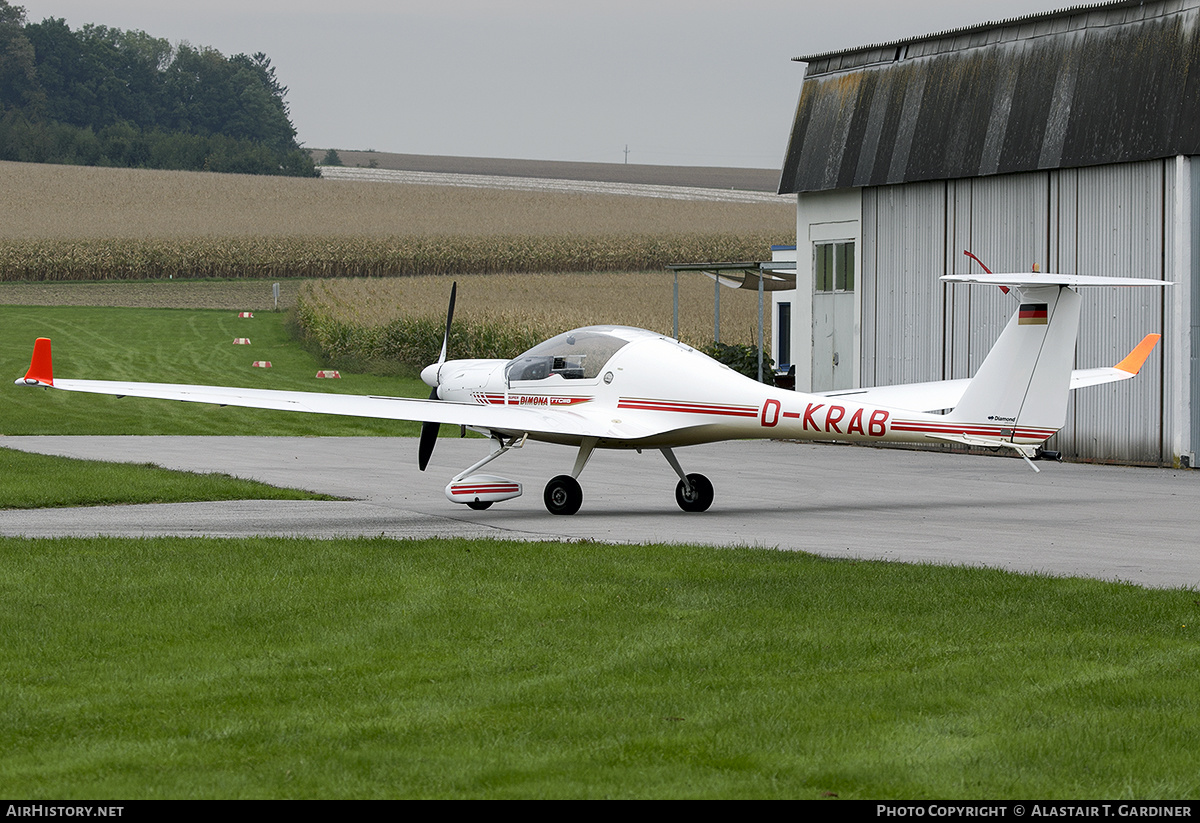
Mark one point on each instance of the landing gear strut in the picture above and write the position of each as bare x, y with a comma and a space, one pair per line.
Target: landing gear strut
694, 492
563, 494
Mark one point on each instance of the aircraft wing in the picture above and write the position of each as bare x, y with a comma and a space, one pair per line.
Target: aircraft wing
945, 394
573, 422
577, 421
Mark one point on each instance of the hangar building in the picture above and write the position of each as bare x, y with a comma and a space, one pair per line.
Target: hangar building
1066, 141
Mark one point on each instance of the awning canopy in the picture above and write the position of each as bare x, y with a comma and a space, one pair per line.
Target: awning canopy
774, 275
761, 276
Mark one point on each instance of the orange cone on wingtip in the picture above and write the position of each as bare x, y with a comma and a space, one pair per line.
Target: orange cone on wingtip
41, 370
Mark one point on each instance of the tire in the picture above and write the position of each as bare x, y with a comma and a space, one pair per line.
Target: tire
563, 495
479, 505
700, 498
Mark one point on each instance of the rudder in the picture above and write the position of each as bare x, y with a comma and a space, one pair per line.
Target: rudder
1025, 379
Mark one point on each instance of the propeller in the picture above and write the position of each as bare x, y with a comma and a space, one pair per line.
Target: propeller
432, 375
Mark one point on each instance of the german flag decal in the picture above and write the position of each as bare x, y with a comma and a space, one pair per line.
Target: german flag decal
1032, 314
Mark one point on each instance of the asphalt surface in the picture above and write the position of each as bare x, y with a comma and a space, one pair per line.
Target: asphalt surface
1109, 522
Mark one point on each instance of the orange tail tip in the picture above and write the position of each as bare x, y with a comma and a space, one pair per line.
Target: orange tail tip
41, 370
1134, 360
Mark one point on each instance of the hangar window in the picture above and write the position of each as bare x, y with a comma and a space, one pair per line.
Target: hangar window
833, 266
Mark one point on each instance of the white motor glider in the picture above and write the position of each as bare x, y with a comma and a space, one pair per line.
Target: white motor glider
615, 387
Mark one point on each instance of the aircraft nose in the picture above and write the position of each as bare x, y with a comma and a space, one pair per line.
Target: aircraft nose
429, 374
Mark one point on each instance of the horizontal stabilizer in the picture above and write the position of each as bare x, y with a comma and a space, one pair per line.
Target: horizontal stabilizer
1027, 279
945, 394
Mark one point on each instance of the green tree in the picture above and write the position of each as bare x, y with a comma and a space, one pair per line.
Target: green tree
104, 96
332, 158
18, 74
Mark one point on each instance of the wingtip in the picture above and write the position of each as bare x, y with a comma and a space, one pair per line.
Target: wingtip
41, 368
1134, 360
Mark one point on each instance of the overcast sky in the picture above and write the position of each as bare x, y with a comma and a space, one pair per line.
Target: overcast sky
680, 82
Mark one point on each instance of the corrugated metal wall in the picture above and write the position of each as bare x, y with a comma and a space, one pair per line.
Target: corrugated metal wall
1106, 220
1112, 223
1195, 302
904, 241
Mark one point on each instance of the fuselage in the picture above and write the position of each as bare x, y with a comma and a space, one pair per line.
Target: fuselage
685, 397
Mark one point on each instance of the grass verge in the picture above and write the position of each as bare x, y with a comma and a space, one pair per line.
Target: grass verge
36, 481
376, 668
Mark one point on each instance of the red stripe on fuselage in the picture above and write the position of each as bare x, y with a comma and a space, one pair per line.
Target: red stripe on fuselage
644, 404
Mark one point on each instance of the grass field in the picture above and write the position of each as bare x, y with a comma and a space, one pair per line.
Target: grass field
172, 346
373, 668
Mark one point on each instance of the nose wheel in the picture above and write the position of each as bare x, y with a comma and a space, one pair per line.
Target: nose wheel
563, 495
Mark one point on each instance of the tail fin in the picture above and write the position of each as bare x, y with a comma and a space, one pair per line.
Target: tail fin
1026, 377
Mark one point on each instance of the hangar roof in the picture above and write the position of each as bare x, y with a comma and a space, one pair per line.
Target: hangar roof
1087, 85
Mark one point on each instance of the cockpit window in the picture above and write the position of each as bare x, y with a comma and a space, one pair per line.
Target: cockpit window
576, 355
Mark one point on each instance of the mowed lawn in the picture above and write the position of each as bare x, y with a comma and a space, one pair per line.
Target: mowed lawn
172, 346
375, 668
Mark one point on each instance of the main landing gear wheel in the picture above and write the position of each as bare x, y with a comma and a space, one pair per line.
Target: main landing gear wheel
479, 505
701, 496
563, 495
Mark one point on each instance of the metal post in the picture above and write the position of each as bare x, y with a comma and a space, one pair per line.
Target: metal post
676, 304
760, 325
717, 307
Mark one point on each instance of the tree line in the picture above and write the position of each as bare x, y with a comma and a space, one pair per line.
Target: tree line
106, 97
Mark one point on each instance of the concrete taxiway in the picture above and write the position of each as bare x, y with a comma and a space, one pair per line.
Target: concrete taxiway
1110, 522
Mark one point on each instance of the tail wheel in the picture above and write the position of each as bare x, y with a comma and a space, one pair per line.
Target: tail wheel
700, 497
563, 495
479, 505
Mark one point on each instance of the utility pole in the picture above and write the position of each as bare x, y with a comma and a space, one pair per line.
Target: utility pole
626, 154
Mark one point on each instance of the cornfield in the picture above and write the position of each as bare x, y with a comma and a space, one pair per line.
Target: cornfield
401, 321
384, 253
318, 257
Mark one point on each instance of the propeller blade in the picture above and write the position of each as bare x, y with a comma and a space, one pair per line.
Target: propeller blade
449, 317
429, 430
429, 433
